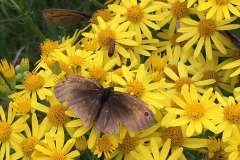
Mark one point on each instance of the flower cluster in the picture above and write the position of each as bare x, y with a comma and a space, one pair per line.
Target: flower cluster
172, 54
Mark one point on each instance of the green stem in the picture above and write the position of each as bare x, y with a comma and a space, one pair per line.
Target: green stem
98, 4
34, 27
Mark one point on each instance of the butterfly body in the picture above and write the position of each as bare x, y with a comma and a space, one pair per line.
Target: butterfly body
106, 93
108, 108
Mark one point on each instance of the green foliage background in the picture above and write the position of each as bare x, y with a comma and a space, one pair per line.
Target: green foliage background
16, 36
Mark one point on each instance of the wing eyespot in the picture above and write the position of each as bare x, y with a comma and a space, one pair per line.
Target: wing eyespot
146, 114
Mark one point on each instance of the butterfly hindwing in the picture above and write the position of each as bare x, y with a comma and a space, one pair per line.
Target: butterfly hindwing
133, 112
82, 95
108, 120
235, 41
64, 17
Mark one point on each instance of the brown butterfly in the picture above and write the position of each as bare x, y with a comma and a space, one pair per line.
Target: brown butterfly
235, 41
64, 17
91, 101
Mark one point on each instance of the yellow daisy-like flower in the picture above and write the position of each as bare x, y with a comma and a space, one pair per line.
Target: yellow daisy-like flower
105, 145
48, 46
80, 129
99, 68
81, 143
129, 141
173, 48
8, 70
155, 66
204, 31
21, 104
211, 69
138, 16
155, 154
71, 56
144, 49
220, 8
178, 138
179, 76
33, 137
56, 117
173, 11
57, 148
105, 14
106, 32
233, 144
228, 116
139, 84
214, 146
37, 84
10, 132
197, 112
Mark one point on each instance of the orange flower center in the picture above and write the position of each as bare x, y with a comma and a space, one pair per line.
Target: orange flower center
135, 14
207, 27
179, 9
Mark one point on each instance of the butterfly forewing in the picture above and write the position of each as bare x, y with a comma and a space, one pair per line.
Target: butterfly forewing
64, 17
82, 95
133, 112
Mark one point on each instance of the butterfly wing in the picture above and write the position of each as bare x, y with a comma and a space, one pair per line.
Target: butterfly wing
235, 41
64, 17
133, 112
82, 95
108, 120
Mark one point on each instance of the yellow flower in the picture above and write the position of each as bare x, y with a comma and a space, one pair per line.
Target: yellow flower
211, 69
144, 49
37, 84
138, 16
10, 133
105, 145
174, 49
56, 117
219, 9
214, 146
154, 154
72, 56
57, 148
81, 130
99, 68
203, 32
8, 72
21, 104
106, 32
139, 84
233, 144
155, 66
48, 46
129, 141
33, 137
179, 76
173, 11
178, 138
197, 112
228, 116
81, 143
105, 14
